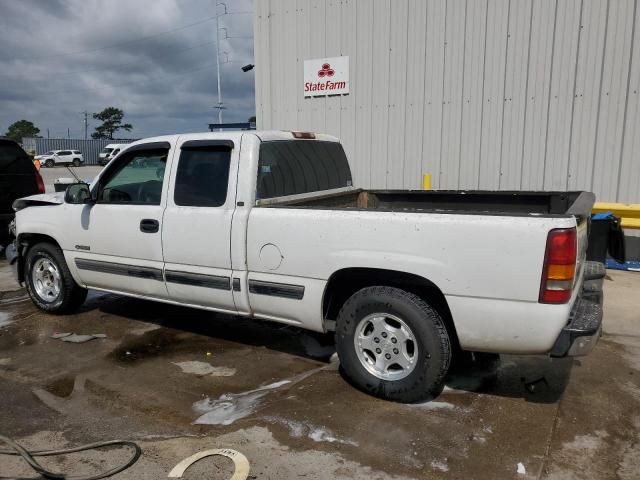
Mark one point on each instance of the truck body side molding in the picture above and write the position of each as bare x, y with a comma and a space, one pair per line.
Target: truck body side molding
285, 290
119, 269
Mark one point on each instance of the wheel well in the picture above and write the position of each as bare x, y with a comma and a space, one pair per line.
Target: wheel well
344, 283
25, 242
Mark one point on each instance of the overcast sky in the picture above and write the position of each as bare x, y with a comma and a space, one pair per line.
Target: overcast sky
155, 59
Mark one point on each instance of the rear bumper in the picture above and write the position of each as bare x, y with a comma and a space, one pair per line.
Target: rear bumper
584, 328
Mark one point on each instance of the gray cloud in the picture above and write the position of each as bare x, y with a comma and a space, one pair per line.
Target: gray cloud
155, 59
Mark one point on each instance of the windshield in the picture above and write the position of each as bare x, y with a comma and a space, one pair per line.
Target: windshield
290, 167
107, 150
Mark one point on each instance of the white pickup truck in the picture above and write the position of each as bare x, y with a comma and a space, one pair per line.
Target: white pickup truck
269, 225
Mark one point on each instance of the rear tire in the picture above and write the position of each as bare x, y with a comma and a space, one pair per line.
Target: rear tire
393, 345
49, 281
76, 162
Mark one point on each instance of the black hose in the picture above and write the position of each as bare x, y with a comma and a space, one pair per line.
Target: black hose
18, 450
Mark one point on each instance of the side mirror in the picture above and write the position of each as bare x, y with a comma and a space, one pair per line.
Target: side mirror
77, 194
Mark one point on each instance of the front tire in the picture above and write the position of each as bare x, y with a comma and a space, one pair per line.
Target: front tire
49, 281
393, 345
49, 163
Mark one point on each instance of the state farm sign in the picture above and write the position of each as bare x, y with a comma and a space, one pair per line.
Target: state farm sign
326, 76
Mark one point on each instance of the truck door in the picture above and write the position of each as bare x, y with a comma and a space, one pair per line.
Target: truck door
118, 243
196, 234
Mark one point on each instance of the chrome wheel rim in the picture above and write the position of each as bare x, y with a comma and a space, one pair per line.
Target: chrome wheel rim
46, 280
386, 346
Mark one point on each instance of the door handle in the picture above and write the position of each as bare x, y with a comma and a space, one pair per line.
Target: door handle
148, 225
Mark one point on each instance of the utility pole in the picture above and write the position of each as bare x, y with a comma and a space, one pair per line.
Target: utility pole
68, 133
47, 133
220, 106
86, 124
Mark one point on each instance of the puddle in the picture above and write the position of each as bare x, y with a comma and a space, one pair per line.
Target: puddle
5, 319
204, 368
4, 362
62, 387
230, 407
154, 343
303, 429
14, 300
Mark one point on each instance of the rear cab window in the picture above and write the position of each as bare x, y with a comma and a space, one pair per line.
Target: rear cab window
293, 167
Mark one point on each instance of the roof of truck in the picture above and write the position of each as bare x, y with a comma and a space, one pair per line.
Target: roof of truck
264, 135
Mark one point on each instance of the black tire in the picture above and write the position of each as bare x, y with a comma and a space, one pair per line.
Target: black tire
425, 381
49, 163
76, 162
71, 295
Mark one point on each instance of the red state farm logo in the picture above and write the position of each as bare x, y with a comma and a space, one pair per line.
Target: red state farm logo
326, 71
325, 85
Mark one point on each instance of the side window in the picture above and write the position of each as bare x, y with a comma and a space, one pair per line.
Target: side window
202, 177
64, 153
136, 179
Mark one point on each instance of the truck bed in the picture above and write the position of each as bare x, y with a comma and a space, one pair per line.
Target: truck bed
445, 201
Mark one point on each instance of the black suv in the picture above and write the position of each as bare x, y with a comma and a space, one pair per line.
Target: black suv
18, 178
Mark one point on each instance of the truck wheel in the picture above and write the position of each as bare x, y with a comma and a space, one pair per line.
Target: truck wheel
49, 281
392, 344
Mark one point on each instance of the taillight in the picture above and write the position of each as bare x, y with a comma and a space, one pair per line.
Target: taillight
40, 182
559, 266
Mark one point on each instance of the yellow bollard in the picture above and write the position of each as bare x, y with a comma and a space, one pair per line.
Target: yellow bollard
426, 181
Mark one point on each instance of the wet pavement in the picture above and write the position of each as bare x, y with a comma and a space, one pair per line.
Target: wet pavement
179, 381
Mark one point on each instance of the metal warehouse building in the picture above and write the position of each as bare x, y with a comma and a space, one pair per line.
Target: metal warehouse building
489, 94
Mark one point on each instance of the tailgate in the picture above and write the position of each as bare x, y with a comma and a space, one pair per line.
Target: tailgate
581, 209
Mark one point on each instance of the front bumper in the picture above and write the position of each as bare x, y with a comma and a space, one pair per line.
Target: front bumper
584, 328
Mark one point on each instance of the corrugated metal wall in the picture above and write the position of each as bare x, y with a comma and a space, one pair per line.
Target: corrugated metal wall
492, 94
89, 148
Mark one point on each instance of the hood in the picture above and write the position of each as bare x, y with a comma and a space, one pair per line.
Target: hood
42, 199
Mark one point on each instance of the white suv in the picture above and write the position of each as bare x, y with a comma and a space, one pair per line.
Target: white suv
61, 157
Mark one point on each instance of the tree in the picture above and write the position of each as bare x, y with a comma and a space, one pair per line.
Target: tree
111, 118
252, 119
22, 128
